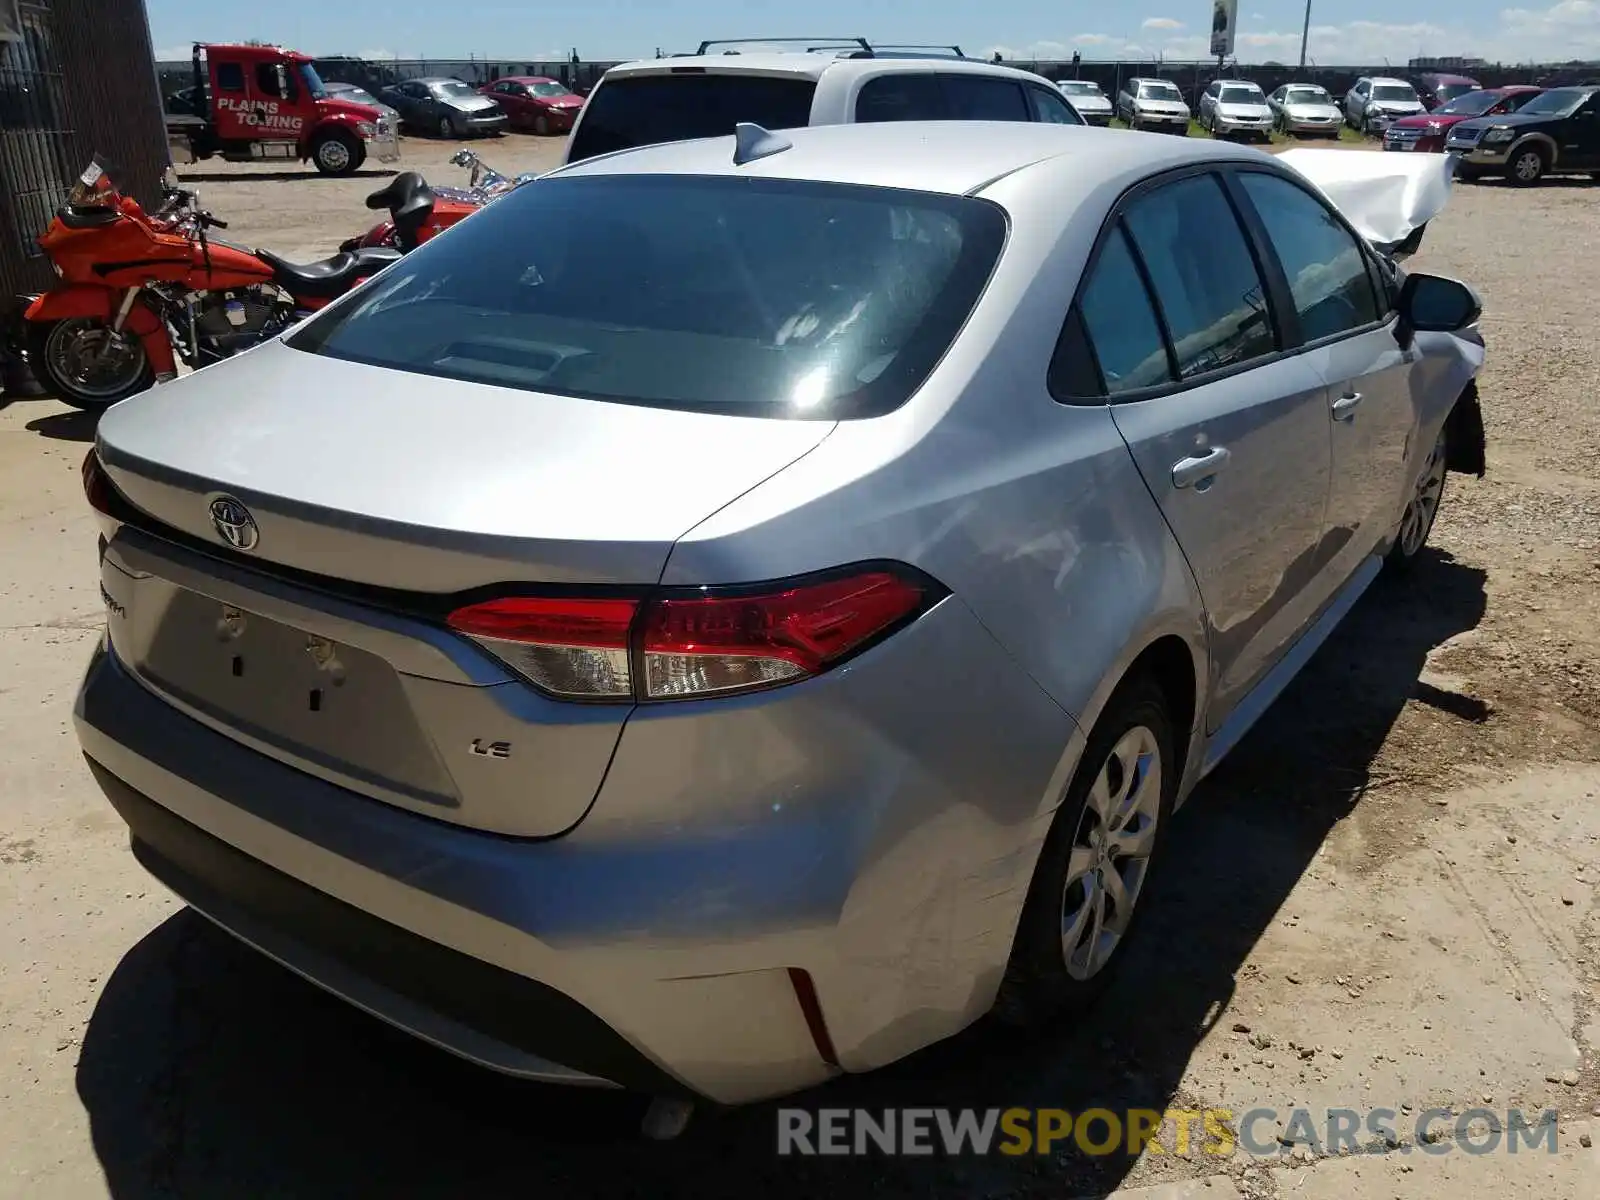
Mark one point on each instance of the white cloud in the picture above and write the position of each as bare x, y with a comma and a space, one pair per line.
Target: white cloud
1567, 29
174, 53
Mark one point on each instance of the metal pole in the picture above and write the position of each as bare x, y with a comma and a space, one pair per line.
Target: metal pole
1305, 35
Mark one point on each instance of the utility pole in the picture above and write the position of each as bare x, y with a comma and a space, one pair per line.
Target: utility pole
1305, 35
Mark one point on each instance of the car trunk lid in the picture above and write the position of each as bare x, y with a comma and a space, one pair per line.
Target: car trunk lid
375, 497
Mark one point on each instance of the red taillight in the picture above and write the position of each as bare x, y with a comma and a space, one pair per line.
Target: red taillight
708, 644
569, 646
693, 643
97, 485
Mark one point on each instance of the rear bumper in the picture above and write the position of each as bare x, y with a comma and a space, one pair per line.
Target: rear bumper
885, 855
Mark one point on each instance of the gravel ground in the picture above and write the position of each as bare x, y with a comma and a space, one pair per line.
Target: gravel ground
1385, 897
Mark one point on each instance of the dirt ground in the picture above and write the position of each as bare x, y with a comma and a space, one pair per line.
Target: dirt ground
1386, 897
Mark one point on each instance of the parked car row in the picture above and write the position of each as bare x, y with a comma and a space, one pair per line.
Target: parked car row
452, 108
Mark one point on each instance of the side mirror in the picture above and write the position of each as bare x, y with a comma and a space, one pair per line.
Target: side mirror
1434, 304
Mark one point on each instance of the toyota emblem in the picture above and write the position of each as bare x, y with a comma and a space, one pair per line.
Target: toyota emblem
234, 523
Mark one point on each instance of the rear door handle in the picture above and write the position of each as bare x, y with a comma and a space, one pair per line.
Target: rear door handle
1345, 406
1187, 472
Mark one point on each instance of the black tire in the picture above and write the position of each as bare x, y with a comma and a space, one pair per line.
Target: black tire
541, 125
1527, 166
1407, 550
1038, 988
446, 128
40, 363
338, 152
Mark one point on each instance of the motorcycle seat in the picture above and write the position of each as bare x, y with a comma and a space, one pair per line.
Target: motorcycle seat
327, 277
409, 200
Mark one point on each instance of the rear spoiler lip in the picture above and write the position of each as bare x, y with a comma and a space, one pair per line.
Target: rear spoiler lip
1388, 197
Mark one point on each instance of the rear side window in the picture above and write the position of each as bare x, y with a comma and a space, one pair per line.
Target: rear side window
1328, 276
984, 98
644, 110
1120, 322
1204, 275
230, 77
759, 297
908, 97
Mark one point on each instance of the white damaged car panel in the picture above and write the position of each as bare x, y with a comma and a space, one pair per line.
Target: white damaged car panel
1387, 197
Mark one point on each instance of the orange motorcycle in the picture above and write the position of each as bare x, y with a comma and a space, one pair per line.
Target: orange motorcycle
141, 291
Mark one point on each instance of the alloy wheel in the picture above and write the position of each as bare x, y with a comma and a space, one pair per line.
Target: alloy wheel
97, 363
1423, 506
1528, 166
1110, 854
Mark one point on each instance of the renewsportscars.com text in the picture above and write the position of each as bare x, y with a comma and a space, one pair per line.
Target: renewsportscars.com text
1210, 1131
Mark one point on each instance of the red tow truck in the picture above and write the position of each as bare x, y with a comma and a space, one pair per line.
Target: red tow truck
252, 103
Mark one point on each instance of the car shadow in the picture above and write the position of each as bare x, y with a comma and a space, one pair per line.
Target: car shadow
309, 174
74, 426
208, 1071
1553, 181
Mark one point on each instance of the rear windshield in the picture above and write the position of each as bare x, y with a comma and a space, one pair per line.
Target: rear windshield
1452, 91
1401, 93
1242, 95
642, 110
750, 296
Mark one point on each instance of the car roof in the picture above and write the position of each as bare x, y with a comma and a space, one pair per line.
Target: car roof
1388, 80
524, 79
435, 79
807, 65
1439, 78
950, 157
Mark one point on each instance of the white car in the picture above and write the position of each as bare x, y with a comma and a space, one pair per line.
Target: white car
1375, 103
1235, 108
705, 94
1153, 104
1093, 105
1300, 109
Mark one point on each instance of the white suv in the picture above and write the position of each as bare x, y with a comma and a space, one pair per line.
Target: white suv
705, 94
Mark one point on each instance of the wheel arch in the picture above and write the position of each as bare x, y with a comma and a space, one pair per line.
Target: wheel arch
1545, 143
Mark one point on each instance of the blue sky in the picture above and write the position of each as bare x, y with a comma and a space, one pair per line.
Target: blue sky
1359, 32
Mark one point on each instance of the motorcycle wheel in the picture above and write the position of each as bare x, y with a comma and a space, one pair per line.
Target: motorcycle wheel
86, 365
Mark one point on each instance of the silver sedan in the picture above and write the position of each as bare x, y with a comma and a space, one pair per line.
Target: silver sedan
1305, 109
740, 610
